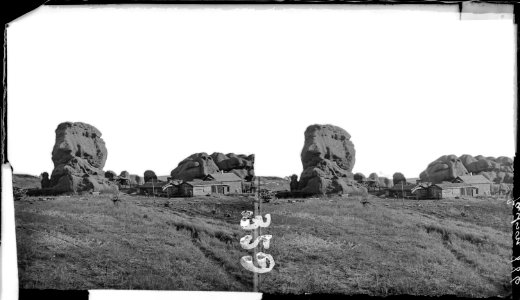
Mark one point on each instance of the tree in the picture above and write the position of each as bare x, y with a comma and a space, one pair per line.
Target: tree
359, 177
374, 177
149, 176
110, 175
399, 178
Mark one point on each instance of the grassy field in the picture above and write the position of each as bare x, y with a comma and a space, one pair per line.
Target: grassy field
332, 245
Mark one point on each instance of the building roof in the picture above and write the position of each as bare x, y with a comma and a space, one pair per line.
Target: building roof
452, 185
404, 187
475, 179
224, 177
203, 183
153, 185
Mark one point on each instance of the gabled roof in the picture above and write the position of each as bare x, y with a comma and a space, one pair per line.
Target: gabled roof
475, 179
404, 187
153, 185
224, 177
203, 183
452, 185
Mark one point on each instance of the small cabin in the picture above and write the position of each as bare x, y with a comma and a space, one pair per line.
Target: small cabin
452, 190
481, 183
234, 182
203, 188
421, 191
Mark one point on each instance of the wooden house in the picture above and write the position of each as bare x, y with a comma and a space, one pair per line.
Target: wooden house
230, 179
202, 188
421, 191
481, 183
451, 190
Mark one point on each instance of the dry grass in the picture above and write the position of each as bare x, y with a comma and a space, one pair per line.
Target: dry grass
334, 245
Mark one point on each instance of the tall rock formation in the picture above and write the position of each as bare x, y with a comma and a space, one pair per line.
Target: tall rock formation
328, 157
79, 155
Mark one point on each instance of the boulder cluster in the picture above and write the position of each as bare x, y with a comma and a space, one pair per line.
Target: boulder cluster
448, 167
198, 165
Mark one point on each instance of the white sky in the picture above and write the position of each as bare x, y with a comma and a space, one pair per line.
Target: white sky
163, 82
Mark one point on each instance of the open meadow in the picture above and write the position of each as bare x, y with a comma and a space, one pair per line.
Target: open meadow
330, 245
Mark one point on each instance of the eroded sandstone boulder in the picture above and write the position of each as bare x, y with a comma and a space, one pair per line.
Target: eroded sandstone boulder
445, 168
45, 182
294, 183
242, 165
328, 157
79, 155
497, 170
198, 165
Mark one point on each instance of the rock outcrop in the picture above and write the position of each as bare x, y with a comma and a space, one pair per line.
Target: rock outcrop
45, 182
328, 157
497, 170
446, 168
293, 185
79, 155
198, 165
242, 165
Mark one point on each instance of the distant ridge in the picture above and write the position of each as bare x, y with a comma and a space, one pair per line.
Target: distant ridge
26, 181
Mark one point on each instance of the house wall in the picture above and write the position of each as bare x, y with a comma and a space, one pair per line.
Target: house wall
435, 193
422, 193
185, 190
201, 190
234, 186
451, 192
220, 189
483, 189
